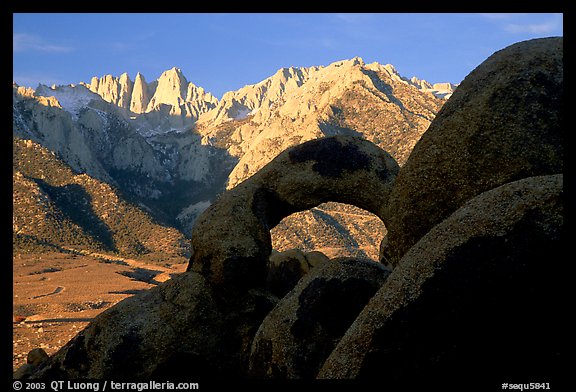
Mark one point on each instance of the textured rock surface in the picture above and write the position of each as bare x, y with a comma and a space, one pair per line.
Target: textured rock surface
296, 105
24, 371
286, 268
474, 295
139, 97
36, 356
168, 331
34, 359
231, 239
315, 258
502, 124
300, 332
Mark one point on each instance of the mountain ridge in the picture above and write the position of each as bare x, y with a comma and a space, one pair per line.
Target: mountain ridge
173, 147
171, 88
119, 90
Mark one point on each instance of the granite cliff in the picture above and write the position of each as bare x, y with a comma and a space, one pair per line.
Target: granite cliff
171, 147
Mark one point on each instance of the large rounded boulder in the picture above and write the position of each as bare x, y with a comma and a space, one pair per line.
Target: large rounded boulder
503, 123
300, 332
170, 331
476, 297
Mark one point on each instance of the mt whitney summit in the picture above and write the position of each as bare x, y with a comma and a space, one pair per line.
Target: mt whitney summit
169, 147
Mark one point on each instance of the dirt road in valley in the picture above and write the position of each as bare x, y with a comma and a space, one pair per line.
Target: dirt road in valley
55, 295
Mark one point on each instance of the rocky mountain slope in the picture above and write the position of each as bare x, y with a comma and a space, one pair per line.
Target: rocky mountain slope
56, 209
347, 97
171, 173
172, 147
169, 102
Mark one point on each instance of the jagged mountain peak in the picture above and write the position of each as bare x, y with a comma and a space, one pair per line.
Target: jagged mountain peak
265, 95
142, 101
140, 95
340, 97
22, 91
287, 73
261, 98
145, 148
173, 74
356, 60
174, 70
171, 89
125, 77
440, 90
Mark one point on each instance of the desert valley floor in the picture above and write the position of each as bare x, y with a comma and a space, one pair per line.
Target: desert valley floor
56, 295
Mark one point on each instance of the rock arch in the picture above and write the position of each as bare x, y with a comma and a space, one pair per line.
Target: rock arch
231, 239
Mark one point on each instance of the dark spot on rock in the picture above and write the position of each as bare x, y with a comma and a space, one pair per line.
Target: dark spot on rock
303, 327
284, 277
126, 358
52, 371
76, 357
183, 365
279, 372
263, 304
190, 263
331, 157
384, 173
331, 305
246, 272
261, 357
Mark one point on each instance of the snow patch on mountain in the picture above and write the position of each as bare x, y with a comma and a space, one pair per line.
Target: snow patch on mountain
243, 113
190, 213
158, 130
72, 98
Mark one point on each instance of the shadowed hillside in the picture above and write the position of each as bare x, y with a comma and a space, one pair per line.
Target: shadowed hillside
55, 208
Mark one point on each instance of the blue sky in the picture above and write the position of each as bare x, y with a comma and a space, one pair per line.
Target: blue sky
224, 52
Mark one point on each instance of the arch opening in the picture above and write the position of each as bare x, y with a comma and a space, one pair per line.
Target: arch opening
335, 229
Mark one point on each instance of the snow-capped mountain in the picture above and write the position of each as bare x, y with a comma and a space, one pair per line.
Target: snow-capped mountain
138, 97
167, 104
172, 147
99, 138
